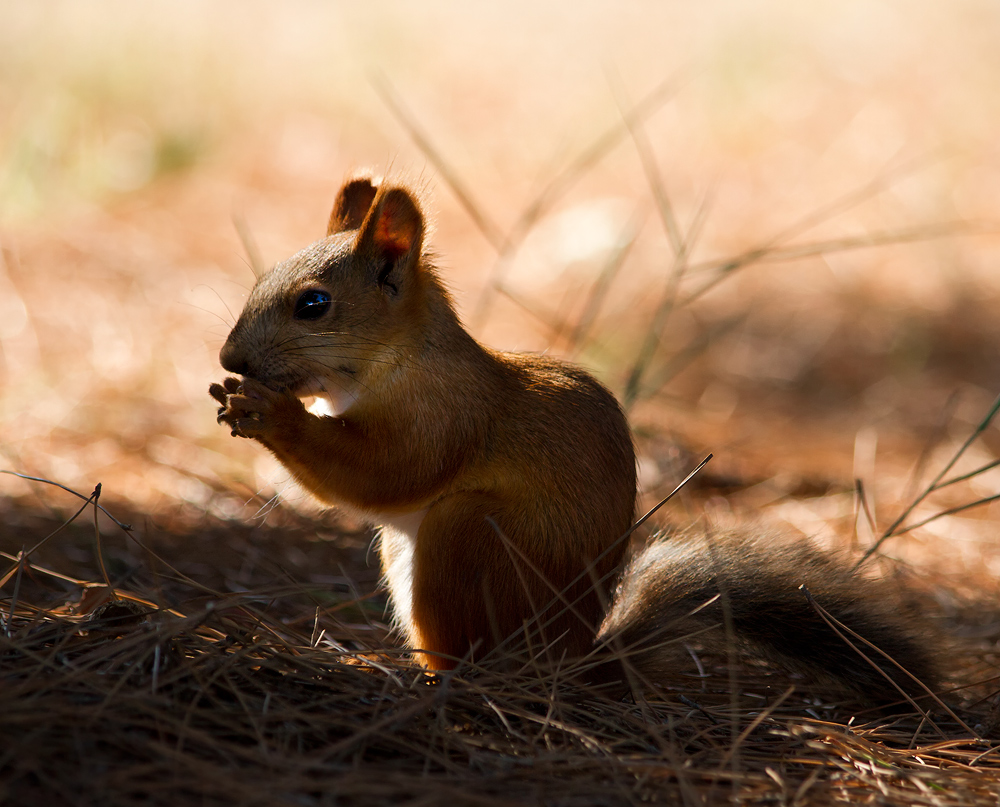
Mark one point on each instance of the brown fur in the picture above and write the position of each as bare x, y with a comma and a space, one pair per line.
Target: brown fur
519, 470
524, 465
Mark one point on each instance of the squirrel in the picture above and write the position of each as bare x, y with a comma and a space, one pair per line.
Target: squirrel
504, 484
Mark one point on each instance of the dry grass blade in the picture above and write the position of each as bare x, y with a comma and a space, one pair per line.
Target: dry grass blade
87, 499
589, 571
561, 184
461, 190
99, 554
682, 246
680, 359
862, 507
24, 556
654, 334
772, 249
847, 635
721, 269
648, 159
905, 235
939, 482
551, 320
249, 246
934, 439
965, 477
182, 709
949, 512
614, 263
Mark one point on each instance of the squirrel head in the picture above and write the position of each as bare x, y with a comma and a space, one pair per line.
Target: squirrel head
334, 317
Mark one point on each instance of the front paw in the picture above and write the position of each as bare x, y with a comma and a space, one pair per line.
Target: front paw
250, 408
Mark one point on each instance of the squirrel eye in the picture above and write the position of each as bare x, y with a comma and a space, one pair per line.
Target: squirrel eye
312, 304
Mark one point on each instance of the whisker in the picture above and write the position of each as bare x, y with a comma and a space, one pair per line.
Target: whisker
347, 333
327, 363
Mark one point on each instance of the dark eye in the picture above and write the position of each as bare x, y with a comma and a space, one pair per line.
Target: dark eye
312, 304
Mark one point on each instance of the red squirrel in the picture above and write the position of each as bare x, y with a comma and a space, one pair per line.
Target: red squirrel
504, 483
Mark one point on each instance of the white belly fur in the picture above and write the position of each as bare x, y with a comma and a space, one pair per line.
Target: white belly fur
399, 540
330, 402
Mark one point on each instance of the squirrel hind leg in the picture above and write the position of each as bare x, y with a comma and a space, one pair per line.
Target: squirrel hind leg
481, 591
688, 587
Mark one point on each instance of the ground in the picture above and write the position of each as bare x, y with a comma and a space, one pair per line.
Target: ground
771, 231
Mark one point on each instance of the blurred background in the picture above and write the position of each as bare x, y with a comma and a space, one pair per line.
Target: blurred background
770, 227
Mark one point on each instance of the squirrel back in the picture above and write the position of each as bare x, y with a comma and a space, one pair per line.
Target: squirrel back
504, 483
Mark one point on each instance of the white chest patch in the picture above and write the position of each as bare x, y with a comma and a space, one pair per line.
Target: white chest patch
326, 399
398, 550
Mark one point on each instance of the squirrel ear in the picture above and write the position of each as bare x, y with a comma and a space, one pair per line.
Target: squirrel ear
393, 230
353, 203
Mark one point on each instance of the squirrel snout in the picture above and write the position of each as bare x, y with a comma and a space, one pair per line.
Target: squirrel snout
232, 361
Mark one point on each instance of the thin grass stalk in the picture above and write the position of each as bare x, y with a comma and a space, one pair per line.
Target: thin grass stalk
894, 528
562, 183
490, 230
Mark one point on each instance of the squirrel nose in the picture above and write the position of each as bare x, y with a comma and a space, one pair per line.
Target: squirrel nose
232, 361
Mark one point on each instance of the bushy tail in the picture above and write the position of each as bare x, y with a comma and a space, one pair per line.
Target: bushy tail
744, 591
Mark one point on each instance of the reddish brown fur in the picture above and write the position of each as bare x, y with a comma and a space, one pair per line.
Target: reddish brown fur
524, 465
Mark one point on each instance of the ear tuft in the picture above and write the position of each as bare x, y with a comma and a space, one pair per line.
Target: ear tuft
394, 228
399, 224
353, 203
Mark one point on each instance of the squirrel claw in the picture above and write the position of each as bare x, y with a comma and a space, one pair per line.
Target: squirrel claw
220, 394
248, 427
247, 406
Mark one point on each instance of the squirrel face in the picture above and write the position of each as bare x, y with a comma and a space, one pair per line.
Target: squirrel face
332, 319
